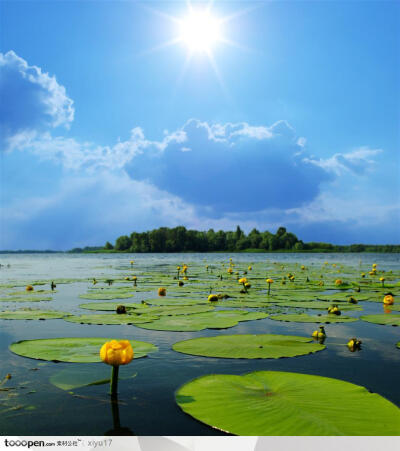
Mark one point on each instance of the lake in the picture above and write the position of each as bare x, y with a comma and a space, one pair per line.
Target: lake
36, 406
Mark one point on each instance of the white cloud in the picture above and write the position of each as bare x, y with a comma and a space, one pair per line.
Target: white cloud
31, 99
359, 161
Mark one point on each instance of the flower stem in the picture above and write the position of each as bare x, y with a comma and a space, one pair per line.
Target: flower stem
269, 288
114, 381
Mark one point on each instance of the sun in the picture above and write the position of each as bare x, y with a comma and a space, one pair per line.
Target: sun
200, 31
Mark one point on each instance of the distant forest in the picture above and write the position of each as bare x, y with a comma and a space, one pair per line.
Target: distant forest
179, 239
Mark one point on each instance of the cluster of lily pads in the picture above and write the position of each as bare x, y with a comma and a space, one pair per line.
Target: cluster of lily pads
193, 297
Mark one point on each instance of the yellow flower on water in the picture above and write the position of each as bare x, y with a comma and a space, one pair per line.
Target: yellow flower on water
116, 353
374, 265
249, 268
363, 274
372, 273
212, 298
382, 279
162, 291
134, 278
247, 285
132, 262
29, 288
333, 265
126, 278
269, 281
302, 267
230, 270
338, 282
242, 280
185, 278
178, 268
388, 299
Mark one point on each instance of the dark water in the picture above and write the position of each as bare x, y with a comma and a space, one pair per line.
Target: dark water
147, 405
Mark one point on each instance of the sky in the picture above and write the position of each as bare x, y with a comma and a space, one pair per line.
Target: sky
281, 113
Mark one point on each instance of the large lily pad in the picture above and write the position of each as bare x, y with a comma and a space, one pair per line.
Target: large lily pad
265, 346
319, 305
387, 319
32, 314
110, 319
26, 298
77, 350
304, 318
109, 306
221, 319
280, 403
175, 301
119, 294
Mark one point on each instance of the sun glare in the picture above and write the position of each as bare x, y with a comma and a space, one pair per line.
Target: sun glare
199, 31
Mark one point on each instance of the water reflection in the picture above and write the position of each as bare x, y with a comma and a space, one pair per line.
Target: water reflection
117, 429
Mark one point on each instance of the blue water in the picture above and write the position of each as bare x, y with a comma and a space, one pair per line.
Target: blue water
147, 405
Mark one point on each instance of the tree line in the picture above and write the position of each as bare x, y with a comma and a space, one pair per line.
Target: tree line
180, 239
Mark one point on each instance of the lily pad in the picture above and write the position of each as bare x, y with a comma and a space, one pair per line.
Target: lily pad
304, 318
110, 319
107, 295
176, 301
265, 346
280, 403
319, 305
76, 350
109, 306
387, 319
27, 298
219, 319
32, 314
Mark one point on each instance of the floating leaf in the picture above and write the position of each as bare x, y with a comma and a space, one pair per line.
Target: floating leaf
32, 314
220, 319
109, 306
387, 319
304, 318
77, 350
280, 403
110, 319
266, 346
176, 301
106, 295
27, 298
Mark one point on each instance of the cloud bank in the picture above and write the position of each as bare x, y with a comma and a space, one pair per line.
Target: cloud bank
30, 99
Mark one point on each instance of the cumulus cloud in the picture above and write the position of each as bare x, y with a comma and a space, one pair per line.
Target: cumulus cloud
30, 99
358, 161
232, 168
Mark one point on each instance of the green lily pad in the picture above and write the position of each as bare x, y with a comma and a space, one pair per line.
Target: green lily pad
32, 314
107, 295
279, 403
170, 310
87, 375
27, 298
109, 318
175, 301
319, 305
76, 350
266, 346
219, 319
304, 318
109, 306
387, 319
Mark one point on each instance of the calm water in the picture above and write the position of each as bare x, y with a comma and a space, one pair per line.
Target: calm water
147, 400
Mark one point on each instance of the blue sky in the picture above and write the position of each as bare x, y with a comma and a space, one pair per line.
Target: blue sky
106, 130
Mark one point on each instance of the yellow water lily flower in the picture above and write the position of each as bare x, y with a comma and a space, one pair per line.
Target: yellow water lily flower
374, 265
212, 298
116, 353
388, 299
242, 280
162, 291
269, 281
338, 282
29, 288
249, 268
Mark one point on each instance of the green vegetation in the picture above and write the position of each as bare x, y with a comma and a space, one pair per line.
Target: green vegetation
179, 239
